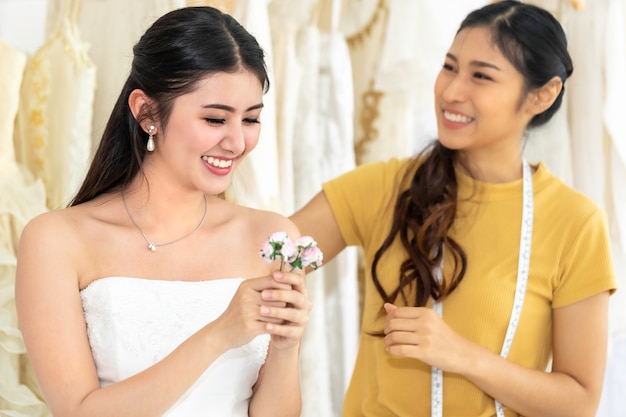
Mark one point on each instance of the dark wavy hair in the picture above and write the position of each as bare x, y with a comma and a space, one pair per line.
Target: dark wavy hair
535, 44
180, 49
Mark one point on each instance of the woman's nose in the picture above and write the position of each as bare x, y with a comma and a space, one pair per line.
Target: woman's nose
234, 141
455, 89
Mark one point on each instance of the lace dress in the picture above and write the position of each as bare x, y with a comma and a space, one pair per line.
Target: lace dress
21, 198
133, 323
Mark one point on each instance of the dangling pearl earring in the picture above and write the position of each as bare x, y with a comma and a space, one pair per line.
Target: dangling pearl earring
150, 144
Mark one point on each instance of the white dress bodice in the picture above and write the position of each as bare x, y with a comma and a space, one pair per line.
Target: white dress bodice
133, 323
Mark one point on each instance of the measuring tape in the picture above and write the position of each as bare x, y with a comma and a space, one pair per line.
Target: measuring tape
520, 291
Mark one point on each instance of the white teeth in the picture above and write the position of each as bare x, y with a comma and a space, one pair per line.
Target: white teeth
219, 163
457, 118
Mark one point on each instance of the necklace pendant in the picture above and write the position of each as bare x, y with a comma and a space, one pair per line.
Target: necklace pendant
153, 246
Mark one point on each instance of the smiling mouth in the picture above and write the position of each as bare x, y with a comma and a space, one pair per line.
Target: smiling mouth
457, 118
218, 163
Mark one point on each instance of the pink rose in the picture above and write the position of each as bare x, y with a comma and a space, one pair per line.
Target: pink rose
298, 255
312, 256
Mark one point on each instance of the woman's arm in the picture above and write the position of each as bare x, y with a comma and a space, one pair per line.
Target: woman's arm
54, 330
574, 386
316, 219
277, 392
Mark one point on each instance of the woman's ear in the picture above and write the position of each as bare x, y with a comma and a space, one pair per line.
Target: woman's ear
542, 98
140, 105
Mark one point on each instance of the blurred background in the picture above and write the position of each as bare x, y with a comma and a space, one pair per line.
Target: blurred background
352, 83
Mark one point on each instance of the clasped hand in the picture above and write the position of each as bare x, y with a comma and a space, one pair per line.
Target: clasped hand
277, 304
419, 332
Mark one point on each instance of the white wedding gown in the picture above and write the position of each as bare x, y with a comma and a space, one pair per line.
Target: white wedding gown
133, 323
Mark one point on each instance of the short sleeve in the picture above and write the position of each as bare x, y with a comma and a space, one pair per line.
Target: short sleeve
361, 198
587, 267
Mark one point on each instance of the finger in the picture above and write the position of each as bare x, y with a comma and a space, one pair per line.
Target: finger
291, 297
401, 324
289, 315
264, 302
408, 312
294, 279
261, 283
407, 351
288, 331
270, 297
270, 320
389, 307
401, 338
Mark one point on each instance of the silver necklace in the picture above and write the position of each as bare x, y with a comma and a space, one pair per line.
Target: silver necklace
151, 245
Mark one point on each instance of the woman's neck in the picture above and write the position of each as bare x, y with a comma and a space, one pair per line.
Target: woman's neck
490, 169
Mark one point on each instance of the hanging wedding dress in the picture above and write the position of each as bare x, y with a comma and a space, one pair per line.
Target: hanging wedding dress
53, 127
258, 179
614, 70
597, 89
315, 134
398, 55
286, 20
586, 99
110, 28
363, 24
21, 198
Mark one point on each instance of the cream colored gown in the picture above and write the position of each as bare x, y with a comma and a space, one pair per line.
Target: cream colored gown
21, 198
53, 127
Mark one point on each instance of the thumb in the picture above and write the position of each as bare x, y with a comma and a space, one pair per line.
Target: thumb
389, 307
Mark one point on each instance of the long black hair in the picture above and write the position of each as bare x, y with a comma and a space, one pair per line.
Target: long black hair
535, 44
180, 48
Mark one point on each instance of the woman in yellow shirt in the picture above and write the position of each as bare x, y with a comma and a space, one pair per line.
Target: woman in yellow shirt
487, 279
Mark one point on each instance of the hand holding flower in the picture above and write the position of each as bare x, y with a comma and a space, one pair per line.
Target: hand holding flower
294, 315
304, 252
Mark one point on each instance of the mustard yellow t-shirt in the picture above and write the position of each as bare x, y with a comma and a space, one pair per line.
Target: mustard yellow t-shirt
570, 260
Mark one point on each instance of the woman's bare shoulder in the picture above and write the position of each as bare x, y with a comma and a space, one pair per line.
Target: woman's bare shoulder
59, 223
63, 230
267, 222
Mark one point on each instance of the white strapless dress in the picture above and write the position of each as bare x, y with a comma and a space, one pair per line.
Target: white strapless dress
133, 323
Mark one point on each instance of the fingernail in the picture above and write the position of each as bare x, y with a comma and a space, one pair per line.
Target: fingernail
278, 275
265, 310
266, 294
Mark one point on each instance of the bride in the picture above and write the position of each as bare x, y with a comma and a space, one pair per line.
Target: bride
147, 295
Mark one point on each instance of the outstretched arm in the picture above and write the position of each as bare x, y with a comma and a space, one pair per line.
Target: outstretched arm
316, 219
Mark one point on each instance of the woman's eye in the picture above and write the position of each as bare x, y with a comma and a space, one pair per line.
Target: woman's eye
482, 76
215, 121
448, 67
251, 120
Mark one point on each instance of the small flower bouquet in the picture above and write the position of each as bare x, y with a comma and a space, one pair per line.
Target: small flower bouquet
299, 254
